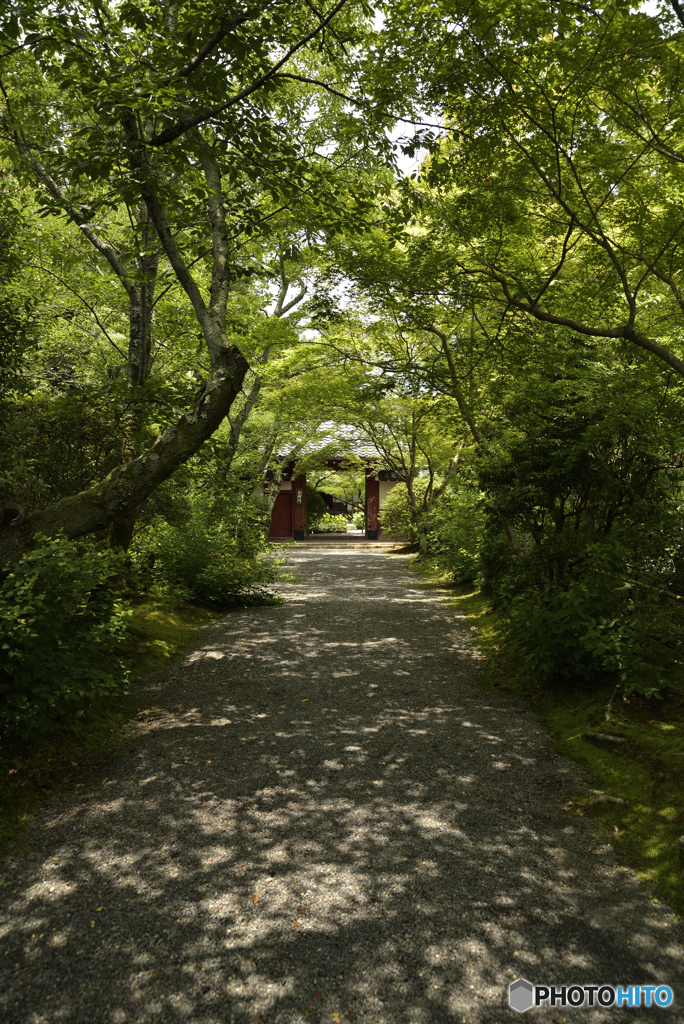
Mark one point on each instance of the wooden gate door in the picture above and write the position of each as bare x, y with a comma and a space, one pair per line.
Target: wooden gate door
281, 516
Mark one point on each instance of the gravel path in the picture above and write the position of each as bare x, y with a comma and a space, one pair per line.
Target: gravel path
330, 821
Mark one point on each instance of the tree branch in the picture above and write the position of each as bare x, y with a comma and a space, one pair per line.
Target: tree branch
170, 134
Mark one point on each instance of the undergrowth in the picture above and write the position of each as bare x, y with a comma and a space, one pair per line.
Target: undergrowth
69, 758
646, 771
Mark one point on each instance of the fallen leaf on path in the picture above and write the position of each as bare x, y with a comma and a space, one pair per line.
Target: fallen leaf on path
205, 804
318, 995
252, 959
255, 898
207, 762
295, 926
98, 909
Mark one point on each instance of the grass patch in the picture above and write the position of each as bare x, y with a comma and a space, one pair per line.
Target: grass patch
161, 628
646, 770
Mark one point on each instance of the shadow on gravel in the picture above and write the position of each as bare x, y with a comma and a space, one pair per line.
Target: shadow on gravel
345, 831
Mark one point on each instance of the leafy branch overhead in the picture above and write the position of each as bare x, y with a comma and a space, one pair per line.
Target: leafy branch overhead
117, 116
436, 240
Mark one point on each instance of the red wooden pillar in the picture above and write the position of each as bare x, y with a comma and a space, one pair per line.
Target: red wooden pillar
299, 507
372, 506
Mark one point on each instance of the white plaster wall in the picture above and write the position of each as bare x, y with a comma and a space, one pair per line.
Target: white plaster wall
385, 487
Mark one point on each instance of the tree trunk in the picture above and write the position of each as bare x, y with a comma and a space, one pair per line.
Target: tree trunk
123, 526
141, 298
141, 306
117, 498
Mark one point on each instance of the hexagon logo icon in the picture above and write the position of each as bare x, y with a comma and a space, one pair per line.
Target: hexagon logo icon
521, 995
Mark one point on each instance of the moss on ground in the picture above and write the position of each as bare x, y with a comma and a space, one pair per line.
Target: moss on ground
646, 770
161, 628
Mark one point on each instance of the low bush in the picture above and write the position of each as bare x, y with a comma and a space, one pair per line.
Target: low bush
599, 625
214, 556
315, 505
330, 524
62, 621
396, 519
454, 527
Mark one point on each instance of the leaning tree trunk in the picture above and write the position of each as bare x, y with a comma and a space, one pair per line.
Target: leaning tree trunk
120, 494
113, 502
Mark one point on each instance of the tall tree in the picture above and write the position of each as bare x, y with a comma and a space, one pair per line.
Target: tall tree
172, 135
555, 180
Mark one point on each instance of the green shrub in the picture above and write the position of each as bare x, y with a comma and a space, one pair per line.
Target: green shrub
213, 557
315, 505
395, 515
330, 524
454, 526
599, 625
455, 530
61, 622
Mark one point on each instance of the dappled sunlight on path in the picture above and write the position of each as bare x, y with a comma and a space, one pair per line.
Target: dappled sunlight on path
326, 818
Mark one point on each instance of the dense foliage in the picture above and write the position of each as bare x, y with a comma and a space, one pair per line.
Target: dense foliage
328, 523
61, 621
209, 553
217, 271
454, 528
